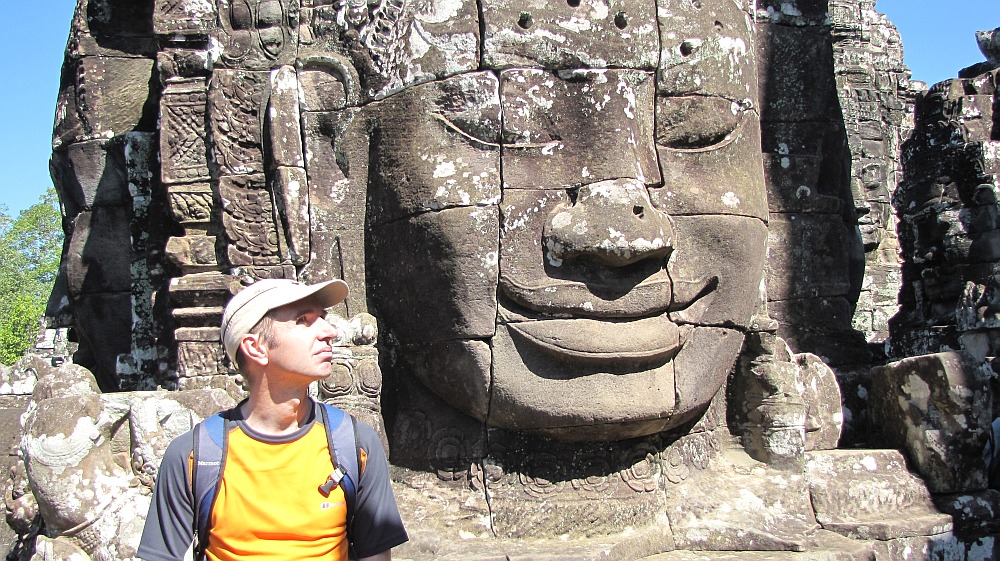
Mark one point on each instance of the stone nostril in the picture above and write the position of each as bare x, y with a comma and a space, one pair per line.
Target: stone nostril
638, 211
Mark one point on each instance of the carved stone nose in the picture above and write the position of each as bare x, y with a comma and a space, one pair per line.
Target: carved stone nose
612, 222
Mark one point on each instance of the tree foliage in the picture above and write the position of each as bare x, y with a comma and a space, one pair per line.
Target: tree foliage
30, 248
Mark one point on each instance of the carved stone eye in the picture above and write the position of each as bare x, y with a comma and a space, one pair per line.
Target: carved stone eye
695, 122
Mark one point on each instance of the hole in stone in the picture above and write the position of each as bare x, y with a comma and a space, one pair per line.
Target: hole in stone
573, 3
637, 210
573, 193
719, 26
688, 48
525, 21
621, 20
696, 4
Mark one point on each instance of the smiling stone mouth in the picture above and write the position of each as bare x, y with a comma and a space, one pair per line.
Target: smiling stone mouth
564, 297
646, 340
654, 338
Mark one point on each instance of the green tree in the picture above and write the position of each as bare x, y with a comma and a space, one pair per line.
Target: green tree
30, 248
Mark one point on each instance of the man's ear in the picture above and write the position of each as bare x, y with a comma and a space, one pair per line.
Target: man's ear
253, 349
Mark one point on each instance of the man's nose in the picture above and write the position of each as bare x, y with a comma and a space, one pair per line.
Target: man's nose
612, 222
327, 331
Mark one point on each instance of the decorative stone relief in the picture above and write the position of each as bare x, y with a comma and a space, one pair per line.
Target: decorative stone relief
90, 460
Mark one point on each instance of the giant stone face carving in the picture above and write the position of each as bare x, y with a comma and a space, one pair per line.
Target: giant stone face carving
570, 240
555, 210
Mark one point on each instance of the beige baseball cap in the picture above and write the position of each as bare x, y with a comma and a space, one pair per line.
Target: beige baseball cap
254, 302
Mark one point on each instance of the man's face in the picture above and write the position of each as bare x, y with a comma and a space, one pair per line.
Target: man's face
567, 250
301, 342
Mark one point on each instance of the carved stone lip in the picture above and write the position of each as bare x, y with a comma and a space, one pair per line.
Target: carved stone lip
577, 299
644, 340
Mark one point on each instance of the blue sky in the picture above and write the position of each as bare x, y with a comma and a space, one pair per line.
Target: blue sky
938, 40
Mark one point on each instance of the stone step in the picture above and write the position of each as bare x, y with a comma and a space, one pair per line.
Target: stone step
870, 495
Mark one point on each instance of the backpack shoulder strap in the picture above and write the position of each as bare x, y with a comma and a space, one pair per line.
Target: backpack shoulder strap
340, 438
209, 457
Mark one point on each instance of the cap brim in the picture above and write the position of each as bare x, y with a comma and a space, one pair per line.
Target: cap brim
329, 293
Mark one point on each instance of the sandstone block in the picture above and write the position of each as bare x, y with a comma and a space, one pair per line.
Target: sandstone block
870, 495
937, 409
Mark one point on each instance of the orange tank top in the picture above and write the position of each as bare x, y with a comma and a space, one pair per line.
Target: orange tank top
269, 506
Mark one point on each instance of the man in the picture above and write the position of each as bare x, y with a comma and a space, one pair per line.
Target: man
271, 503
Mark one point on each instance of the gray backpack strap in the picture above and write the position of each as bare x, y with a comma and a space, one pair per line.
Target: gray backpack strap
341, 439
211, 438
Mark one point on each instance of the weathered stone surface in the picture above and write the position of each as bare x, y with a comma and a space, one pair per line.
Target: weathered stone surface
618, 490
822, 546
848, 103
248, 210
709, 149
622, 33
447, 446
256, 36
99, 316
740, 511
711, 350
336, 145
803, 252
395, 46
785, 51
89, 174
782, 405
183, 134
824, 414
194, 253
20, 378
284, 125
870, 495
339, 254
946, 202
457, 370
583, 242
102, 97
585, 127
972, 513
707, 49
533, 389
936, 408
437, 148
93, 484
941, 547
291, 189
184, 17
97, 259
627, 546
451, 259
714, 275
235, 109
